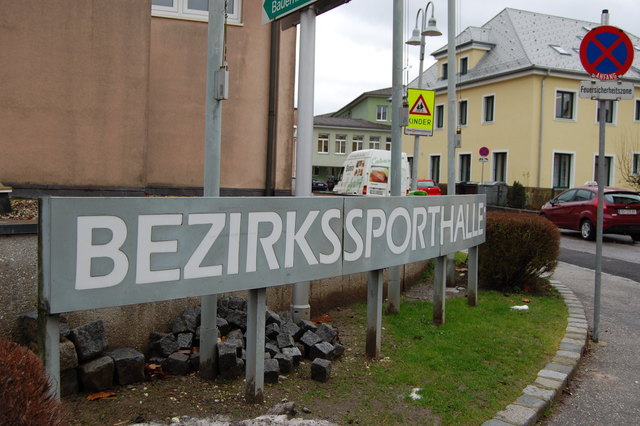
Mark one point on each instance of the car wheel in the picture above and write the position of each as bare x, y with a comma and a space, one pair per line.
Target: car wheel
587, 230
636, 237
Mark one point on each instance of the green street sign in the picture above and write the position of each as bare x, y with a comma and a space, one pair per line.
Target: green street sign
276, 9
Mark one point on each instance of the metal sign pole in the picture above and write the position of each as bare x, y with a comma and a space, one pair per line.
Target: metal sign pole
300, 307
213, 138
604, 20
396, 139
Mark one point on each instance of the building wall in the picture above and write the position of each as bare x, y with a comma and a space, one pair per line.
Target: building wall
100, 94
516, 131
333, 159
73, 96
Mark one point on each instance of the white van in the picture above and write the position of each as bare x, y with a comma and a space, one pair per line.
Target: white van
368, 172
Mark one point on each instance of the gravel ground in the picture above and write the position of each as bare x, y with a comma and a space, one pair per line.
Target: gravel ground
22, 209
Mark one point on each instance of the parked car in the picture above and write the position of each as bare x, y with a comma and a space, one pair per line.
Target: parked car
576, 209
429, 186
318, 185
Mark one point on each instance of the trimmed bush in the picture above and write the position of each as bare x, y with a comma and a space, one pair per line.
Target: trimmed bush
519, 249
516, 196
24, 388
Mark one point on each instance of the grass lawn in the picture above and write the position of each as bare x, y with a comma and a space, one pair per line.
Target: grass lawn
478, 361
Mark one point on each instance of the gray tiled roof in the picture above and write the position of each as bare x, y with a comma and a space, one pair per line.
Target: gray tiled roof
356, 123
519, 40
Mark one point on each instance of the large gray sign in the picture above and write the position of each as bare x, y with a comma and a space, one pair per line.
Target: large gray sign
101, 252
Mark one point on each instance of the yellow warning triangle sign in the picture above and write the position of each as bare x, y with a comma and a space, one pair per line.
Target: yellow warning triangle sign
420, 107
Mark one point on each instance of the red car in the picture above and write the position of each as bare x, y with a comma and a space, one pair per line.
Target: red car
576, 209
429, 186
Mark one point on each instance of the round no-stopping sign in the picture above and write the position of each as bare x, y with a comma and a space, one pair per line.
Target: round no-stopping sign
606, 52
484, 151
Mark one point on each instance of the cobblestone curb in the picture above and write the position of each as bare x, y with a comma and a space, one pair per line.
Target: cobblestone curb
547, 387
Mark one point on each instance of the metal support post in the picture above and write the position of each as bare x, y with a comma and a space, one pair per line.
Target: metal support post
439, 285
374, 313
254, 391
50, 348
300, 307
451, 117
396, 138
601, 181
472, 283
213, 141
604, 20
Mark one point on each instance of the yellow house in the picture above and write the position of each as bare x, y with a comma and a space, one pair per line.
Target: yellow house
517, 83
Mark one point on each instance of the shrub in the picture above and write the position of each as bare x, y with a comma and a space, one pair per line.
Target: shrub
24, 388
516, 196
519, 249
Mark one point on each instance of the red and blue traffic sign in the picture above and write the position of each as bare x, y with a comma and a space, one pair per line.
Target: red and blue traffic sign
606, 52
484, 151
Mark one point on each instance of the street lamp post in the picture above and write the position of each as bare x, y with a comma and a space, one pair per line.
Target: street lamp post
417, 39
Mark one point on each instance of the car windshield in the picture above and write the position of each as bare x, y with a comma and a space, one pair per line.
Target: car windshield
622, 197
427, 184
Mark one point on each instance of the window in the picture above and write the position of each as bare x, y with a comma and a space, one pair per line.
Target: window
445, 71
381, 113
636, 113
323, 143
635, 167
356, 144
387, 145
609, 112
462, 113
564, 105
341, 144
439, 116
195, 10
464, 65
374, 142
465, 167
435, 168
499, 166
562, 164
607, 169
488, 106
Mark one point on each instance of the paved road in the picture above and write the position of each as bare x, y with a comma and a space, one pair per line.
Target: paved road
606, 389
620, 256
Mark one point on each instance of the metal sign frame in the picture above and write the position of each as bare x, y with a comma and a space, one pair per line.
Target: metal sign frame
104, 252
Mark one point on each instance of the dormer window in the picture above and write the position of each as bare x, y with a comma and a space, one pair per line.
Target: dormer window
464, 65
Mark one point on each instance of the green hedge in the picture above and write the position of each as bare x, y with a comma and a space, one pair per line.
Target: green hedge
519, 250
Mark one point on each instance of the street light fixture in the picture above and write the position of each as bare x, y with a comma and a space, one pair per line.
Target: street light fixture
417, 39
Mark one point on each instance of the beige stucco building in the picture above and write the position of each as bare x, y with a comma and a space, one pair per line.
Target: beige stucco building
517, 93
104, 97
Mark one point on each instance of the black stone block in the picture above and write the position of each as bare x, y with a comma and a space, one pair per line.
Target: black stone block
321, 350
327, 333
285, 340
321, 370
129, 365
271, 371
90, 340
177, 364
97, 375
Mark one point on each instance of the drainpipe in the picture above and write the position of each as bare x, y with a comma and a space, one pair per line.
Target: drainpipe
541, 129
269, 189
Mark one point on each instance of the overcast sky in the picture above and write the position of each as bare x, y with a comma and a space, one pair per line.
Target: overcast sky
354, 41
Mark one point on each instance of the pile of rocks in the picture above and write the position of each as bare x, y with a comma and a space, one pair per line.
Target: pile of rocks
84, 361
286, 343
86, 364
